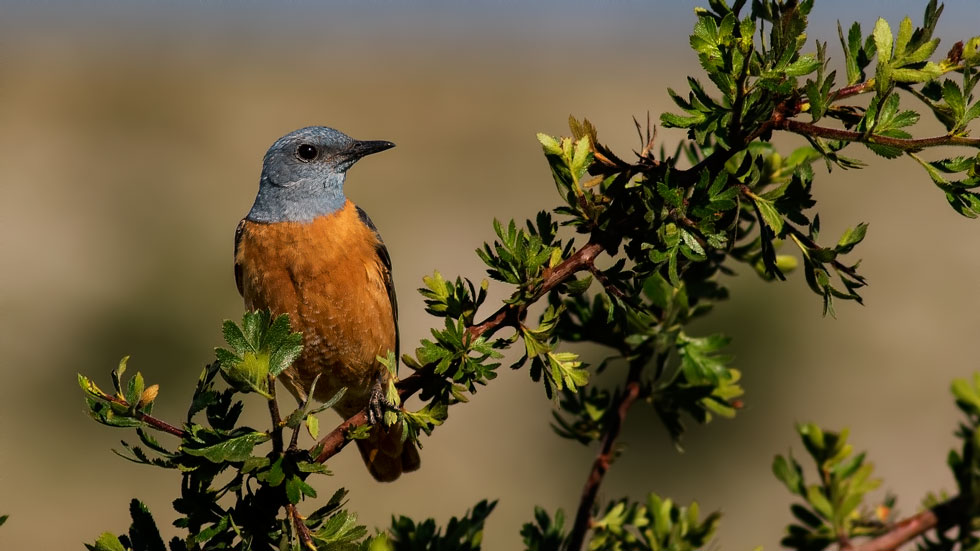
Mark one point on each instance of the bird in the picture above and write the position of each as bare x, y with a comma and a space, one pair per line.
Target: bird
306, 250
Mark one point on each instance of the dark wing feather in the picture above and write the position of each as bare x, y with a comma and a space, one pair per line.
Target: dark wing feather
385, 258
238, 267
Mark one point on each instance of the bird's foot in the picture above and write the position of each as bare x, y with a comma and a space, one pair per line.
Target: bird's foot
377, 403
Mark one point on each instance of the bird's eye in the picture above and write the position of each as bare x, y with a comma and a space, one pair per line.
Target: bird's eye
306, 152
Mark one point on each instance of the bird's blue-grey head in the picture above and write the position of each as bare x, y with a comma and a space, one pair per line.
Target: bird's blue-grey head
303, 174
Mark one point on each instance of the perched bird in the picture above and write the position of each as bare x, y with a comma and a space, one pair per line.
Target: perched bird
305, 250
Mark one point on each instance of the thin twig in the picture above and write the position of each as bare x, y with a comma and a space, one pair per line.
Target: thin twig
583, 518
941, 517
911, 144
852, 90
294, 439
276, 419
158, 424
606, 284
304, 531
162, 425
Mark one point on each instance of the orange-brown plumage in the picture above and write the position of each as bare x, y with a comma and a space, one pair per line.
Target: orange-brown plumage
332, 277
328, 277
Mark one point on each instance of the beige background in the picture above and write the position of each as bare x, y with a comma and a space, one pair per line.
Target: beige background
130, 146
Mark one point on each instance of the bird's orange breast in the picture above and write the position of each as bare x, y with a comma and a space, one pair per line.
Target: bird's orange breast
326, 274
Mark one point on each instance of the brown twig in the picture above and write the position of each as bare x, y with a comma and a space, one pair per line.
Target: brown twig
304, 531
852, 90
606, 284
583, 518
941, 517
911, 144
158, 424
506, 315
276, 418
162, 425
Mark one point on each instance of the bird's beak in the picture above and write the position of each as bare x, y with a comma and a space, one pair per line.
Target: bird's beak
361, 148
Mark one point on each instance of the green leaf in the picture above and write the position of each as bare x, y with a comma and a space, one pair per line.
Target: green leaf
954, 98
770, 215
143, 532
966, 394
971, 51
235, 338
582, 158
231, 450
789, 473
134, 389
293, 492
107, 542
803, 66
852, 47
549, 143
883, 41
904, 35
313, 426
821, 505
851, 238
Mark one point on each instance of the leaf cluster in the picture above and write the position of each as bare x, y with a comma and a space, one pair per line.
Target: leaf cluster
831, 511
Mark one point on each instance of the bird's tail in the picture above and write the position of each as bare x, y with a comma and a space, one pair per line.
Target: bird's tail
386, 455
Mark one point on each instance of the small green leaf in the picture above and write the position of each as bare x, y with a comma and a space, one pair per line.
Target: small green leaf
770, 215
851, 238
788, 472
820, 504
232, 449
883, 41
313, 426
234, 337
107, 542
904, 35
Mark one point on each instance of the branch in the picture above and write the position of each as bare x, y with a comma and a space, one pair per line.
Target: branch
162, 425
852, 90
276, 418
942, 516
506, 315
301, 528
583, 518
915, 144
158, 424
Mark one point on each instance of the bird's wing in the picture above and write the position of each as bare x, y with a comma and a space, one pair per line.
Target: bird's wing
385, 259
238, 267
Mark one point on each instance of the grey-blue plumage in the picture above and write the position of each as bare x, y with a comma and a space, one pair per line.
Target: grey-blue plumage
303, 174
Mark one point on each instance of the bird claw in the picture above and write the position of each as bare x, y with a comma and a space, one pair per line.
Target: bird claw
377, 403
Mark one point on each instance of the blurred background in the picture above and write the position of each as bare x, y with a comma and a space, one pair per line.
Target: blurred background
131, 138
